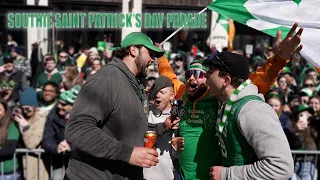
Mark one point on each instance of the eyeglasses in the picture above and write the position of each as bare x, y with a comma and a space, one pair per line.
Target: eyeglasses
308, 85
196, 74
215, 56
49, 90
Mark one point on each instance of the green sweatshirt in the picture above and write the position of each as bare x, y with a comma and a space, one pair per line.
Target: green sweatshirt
197, 126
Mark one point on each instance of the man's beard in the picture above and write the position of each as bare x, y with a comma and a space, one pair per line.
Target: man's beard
140, 67
192, 96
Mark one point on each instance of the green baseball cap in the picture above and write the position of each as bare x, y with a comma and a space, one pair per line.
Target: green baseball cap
138, 38
303, 107
286, 70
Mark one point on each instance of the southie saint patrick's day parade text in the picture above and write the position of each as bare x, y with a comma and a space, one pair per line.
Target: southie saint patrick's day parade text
106, 20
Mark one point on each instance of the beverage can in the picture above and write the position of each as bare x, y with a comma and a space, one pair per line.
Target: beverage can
150, 139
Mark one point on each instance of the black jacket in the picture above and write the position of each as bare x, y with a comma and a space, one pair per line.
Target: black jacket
53, 134
106, 122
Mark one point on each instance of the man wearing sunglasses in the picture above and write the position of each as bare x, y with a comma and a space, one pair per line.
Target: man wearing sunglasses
197, 127
54, 140
110, 117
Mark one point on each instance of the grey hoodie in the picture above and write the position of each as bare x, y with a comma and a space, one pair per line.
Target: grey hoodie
106, 122
260, 126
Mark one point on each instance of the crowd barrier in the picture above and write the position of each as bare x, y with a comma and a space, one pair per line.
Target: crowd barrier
302, 159
35, 152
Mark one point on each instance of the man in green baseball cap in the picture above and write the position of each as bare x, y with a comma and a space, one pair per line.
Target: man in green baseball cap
112, 122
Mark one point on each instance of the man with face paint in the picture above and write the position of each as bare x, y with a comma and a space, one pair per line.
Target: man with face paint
110, 117
31, 125
197, 127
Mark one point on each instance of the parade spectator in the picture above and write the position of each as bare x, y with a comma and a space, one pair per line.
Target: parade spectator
31, 125
16, 75
6, 90
310, 84
313, 74
50, 94
50, 74
63, 62
111, 145
162, 96
314, 102
36, 63
71, 78
284, 86
9, 137
92, 55
276, 102
304, 95
21, 63
303, 138
54, 141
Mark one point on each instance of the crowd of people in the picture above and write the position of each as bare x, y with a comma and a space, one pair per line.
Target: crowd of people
84, 110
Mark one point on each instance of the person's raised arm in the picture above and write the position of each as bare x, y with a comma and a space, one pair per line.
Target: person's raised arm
166, 70
266, 76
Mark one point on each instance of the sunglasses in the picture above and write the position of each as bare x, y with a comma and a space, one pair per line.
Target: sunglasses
215, 56
196, 74
63, 56
308, 85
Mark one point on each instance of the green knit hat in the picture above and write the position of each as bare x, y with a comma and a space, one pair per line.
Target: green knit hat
70, 96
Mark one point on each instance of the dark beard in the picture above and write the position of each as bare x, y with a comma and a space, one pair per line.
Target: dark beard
200, 91
140, 68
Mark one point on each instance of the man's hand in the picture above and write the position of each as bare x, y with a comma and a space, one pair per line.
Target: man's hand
60, 148
172, 124
215, 172
290, 45
178, 143
144, 157
66, 146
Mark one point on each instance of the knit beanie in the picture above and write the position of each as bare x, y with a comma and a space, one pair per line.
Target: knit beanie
70, 96
29, 97
17, 49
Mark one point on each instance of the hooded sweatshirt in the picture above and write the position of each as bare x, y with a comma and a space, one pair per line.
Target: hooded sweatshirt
196, 160
107, 121
260, 126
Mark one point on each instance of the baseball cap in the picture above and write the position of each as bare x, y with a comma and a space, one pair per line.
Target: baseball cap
138, 38
303, 107
232, 63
